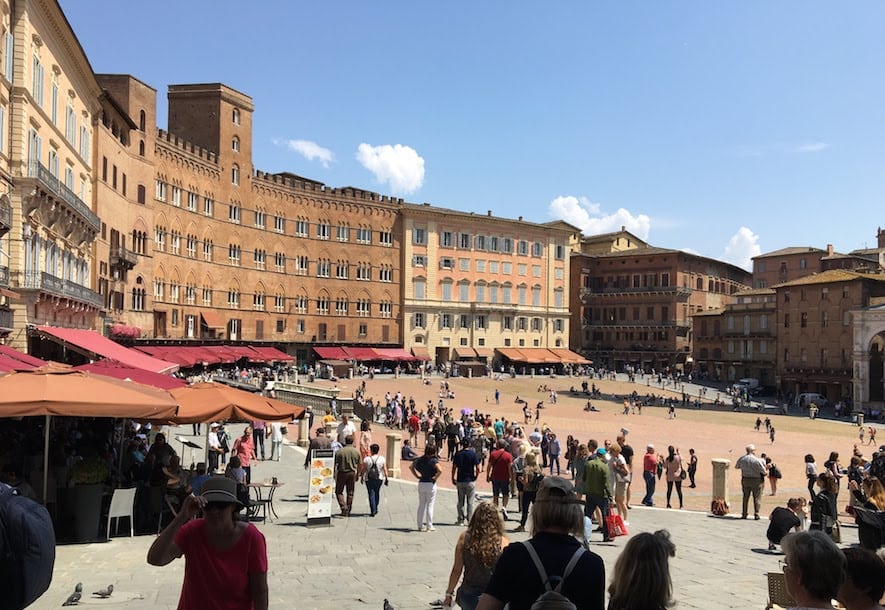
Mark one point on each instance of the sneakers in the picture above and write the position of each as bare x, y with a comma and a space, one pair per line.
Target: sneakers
431, 529
771, 546
504, 513
459, 522
422, 529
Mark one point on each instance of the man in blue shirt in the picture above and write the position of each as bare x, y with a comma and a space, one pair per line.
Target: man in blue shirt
465, 469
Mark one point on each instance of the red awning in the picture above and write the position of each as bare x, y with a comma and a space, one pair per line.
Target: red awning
485, 352
361, 354
26, 359
225, 353
512, 354
178, 356
332, 353
92, 343
111, 368
396, 354
272, 354
465, 352
539, 355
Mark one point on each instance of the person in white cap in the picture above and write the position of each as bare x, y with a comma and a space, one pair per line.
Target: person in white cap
753, 473
215, 449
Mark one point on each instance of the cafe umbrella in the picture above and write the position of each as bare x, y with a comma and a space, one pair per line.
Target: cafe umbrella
58, 390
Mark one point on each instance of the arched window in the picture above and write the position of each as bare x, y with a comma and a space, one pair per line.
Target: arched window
235, 116
141, 120
235, 144
141, 148
235, 174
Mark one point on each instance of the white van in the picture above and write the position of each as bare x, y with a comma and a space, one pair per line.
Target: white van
812, 397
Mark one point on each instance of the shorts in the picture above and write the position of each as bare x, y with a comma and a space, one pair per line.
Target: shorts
620, 489
501, 488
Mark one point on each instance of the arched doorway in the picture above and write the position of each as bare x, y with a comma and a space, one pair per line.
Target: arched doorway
877, 368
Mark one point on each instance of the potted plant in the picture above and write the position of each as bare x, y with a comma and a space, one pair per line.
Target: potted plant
88, 477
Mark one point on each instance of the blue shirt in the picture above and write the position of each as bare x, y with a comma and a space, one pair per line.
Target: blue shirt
466, 462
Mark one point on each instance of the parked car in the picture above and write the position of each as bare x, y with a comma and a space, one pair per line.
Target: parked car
812, 397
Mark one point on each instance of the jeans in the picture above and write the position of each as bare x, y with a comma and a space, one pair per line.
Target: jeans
649, 477
374, 488
258, 437
553, 460
345, 482
466, 494
751, 486
248, 471
276, 450
602, 503
528, 498
426, 499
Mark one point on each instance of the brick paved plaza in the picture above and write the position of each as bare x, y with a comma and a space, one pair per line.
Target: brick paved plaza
357, 562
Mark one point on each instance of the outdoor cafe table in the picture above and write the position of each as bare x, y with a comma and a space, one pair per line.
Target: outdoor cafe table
271, 488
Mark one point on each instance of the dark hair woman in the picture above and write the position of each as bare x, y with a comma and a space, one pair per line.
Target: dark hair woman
810, 474
823, 509
642, 574
673, 466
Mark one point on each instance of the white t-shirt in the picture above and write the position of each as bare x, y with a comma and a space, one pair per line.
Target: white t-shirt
345, 430
613, 462
376, 459
276, 432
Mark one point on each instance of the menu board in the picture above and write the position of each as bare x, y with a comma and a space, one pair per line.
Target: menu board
321, 486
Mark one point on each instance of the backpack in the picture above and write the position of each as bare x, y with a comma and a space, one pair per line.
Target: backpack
27, 549
374, 473
552, 597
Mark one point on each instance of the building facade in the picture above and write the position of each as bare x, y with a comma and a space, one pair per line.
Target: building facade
50, 99
636, 305
474, 283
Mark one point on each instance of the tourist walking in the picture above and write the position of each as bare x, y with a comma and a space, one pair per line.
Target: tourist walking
276, 441
427, 470
373, 472
649, 469
532, 476
774, 473
675, 474
244, 448
465, 470
499, 473
692, 467
554, 450
810, 474
597, 486
476, 553
347, 465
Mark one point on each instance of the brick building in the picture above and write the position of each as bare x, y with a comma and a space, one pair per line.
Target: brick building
635, 306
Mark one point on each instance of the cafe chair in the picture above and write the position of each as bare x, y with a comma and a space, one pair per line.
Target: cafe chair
122, 505
257, 509
778, 597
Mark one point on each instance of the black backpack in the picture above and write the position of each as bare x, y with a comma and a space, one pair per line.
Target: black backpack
552, 597
27, 550
373, 473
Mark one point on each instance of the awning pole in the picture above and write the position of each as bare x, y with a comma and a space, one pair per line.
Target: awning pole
46, 457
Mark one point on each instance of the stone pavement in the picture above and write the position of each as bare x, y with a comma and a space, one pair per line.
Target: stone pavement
357, 562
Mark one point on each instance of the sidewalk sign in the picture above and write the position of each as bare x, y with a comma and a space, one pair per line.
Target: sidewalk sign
321, 487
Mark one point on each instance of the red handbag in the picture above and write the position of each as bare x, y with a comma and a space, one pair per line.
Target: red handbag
615, 525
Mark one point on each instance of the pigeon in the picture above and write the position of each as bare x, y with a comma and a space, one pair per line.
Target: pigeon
74, 598
387, 605
105, 593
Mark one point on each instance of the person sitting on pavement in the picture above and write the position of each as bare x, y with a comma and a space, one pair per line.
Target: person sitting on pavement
407, 453
814, 569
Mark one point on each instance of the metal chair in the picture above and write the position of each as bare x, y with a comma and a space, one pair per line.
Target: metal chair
777, 591
122, 505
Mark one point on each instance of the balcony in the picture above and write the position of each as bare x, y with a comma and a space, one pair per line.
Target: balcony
58, 287
634, 325
5, 217
59, 208
123, 258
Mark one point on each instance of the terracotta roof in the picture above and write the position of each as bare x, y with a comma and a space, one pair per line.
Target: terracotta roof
754, 292
831, 277
792, 250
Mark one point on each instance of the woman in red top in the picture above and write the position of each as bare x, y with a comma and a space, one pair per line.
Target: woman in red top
225, 558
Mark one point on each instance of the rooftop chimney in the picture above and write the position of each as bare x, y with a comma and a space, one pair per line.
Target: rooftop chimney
880, 236
829, 249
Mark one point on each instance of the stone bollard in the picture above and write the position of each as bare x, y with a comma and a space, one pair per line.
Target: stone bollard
329, 428
303, 432
469, 373
721, 468
394, 454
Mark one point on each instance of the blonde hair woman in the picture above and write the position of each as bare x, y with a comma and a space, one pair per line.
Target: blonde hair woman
641, 580
476, 553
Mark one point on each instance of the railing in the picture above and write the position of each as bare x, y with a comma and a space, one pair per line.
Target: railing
5, 318
40, 280
631, 290
124, 255
40, 172
633, 324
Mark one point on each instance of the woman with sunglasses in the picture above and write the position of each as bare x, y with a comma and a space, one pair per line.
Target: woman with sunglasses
225, 558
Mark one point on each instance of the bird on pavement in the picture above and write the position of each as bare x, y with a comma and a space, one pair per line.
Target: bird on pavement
387, 605
74, 598
105, 593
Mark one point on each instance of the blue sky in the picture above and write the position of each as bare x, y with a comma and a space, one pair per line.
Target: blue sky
726, 129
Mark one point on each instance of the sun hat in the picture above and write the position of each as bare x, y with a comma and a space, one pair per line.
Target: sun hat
556, 489
220, 489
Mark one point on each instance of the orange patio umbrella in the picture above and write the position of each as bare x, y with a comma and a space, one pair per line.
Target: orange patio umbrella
206, 402
56, 389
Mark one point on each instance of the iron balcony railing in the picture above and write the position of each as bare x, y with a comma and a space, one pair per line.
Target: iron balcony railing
53, 184
40, 280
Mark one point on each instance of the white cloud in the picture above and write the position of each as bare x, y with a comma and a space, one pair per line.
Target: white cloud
592, 220
812, 147
742, 247
397, 165
309, 150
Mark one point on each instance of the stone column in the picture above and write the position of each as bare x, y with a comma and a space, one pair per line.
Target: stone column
303, 433
329, 428
394, 446
721, 468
